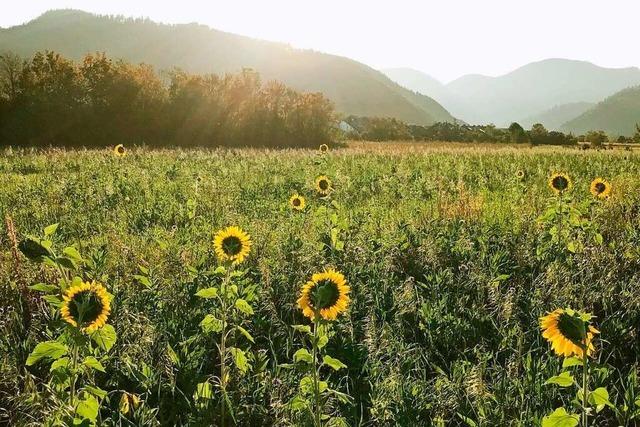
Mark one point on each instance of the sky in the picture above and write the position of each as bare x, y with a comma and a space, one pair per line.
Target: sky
443, 38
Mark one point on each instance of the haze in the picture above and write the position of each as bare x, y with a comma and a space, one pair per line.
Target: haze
445, 39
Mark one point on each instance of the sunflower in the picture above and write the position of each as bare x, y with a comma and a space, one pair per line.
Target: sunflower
324, 148
297, 202
86, 306
560, 182
600, 188
520, 174
119, 150
232, 244
323, 185
326, 292
566, 330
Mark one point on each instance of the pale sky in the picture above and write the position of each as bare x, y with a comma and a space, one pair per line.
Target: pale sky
444, 38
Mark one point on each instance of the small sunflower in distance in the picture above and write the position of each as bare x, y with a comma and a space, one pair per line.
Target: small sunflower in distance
323, 185
86, 306
520, 174
324, 148
569, 332
232, 244
297, 202
326, 292
560, 182
119, 150
600, 188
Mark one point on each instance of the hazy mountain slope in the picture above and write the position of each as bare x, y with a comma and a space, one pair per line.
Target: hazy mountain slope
616, 115
354, 87
537, 87
555, 117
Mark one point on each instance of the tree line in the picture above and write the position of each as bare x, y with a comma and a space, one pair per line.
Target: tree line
51, 100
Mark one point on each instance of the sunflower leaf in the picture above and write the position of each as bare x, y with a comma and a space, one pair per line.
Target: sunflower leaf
246, 333
333, 363
302, 355
207, 293
87, 408
50, 229
210, 323
563, 380
305, 329
560, 418
51, 349
42, 287
571, 361
105, 337
240, 359
600, 398
244, 306
93, 363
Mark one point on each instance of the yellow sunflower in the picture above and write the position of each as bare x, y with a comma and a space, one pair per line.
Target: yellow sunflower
119, 150
520, 174
297, 202
232, 244
86, 306
324, 148
323, 185
327, 293
560, 182
568, 331
600, 188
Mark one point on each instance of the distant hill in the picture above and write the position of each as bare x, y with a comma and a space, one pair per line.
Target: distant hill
616, 115
555, 117
354, 87
530, 90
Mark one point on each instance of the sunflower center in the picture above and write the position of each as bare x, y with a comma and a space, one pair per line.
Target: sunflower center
600, 187
325, 294
85, 307
120, 150
323, 184
560, 183
231, 245
573, 328
296, 202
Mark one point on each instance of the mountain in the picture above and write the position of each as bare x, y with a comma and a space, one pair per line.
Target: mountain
528, 91
616, 115
555, 117
354, 87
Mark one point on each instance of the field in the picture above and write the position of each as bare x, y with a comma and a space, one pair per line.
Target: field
451, 257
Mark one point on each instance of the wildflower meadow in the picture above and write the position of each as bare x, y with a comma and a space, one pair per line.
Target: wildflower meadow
362, 285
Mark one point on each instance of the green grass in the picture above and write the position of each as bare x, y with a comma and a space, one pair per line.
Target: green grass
449, 264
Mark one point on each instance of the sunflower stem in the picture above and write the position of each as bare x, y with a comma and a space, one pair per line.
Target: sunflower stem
223, 347
74, 375
316, 388
585, 381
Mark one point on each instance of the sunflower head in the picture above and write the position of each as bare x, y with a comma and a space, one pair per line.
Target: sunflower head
326, 294
569, 332
520, 174
232, 245
86, 306
119, 150
560, 183
600, 188
323, 148
323, 185
297, 202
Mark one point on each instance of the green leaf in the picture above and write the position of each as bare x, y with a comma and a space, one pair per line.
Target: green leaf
93, 363
203, 392
563, 380
50, 229
600, 397
33, 249
51, 349
87, 408
598, 238
306, 385
240, 359
73, 253
143, 280
207, 293
571, 361
105, 337
63, 362
42, 287
302, 355
246, 333
96, 391
244, 306
211, 324
298, 403
560, 418
322, 341
333, 363
305, 329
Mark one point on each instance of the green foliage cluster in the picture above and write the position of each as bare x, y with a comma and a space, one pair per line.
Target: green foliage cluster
50, 100
451, 259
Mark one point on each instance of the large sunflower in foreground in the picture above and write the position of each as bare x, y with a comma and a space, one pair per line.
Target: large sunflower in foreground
323, 185
327, 293
600, 188
560, 182
569, 332
297, 202
232, 244
119, 150
86, 306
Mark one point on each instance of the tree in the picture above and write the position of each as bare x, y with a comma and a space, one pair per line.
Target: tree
517, 133
538, 134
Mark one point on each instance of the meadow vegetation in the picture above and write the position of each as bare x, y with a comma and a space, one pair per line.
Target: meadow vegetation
450, 257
